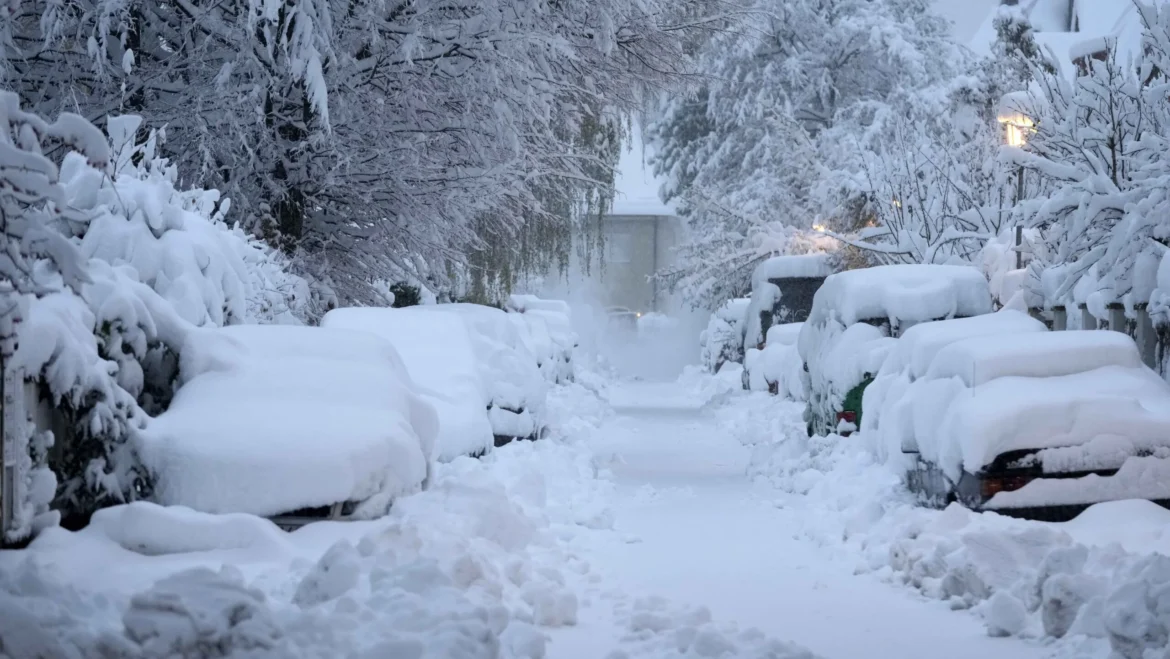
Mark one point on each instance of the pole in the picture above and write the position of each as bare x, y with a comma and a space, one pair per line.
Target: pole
1019, 229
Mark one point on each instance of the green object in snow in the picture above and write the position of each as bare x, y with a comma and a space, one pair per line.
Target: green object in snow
852, 402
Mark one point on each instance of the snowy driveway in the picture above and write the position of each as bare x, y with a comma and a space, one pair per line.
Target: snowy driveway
693, 529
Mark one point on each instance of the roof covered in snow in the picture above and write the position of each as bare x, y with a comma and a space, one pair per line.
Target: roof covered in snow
636, 186
796, 265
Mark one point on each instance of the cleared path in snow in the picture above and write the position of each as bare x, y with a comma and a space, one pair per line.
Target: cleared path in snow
693, 530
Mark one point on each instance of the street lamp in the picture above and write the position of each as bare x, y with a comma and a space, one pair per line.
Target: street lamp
1017, 126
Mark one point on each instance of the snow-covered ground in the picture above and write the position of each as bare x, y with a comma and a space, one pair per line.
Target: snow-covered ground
683, 519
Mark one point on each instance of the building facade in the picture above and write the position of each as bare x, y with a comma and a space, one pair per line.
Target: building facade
637, 247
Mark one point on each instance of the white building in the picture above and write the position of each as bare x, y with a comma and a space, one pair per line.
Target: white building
640, 233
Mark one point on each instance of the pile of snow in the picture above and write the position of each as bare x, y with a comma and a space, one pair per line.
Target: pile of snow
778, 365
516, 390
547, 329
441, 360
722, 341
855, 314
272, 419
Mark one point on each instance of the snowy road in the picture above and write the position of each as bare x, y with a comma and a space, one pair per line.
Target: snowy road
692, 529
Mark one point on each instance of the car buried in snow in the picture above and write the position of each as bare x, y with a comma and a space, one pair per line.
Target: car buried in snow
856, 317
1039, 425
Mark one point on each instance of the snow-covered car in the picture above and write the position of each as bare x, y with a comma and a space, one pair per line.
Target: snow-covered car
722, 341
440, 358
855, 318
622, 319
547, 328
1040, 424
783, 289
293, 423
516, 390
776, 368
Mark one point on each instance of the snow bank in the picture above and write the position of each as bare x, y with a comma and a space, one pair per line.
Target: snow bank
1089, 585
441, 359
271, 419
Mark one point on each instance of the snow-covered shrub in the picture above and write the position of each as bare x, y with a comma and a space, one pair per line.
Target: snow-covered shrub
122, 265
722, 341
40, 263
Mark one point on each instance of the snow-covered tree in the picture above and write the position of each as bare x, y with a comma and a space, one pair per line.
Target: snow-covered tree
365, 137
792, 104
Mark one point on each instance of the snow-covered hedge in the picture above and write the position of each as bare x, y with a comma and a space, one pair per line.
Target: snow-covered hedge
778, 366
125, 265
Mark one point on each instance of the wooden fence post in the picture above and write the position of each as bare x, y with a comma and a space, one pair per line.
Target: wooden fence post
1088, 320
1059, 318
1146, 339
1117, 320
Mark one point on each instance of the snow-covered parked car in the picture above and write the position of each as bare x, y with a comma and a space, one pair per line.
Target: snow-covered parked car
1038, 424
855, 318
783, 290
547, 328
294, 423
516, 390
722, 341
777, 367
440, 357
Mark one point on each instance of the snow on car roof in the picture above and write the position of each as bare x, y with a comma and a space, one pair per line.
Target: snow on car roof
793, 265
902, 293
917, 347
980, 359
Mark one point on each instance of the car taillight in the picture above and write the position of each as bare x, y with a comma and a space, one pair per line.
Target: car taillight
993, 485
849, 417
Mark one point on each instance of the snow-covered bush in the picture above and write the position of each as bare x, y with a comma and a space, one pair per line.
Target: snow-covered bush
778, 367
141, 263
722, 341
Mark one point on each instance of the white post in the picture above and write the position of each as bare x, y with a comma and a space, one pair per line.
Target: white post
1059, 319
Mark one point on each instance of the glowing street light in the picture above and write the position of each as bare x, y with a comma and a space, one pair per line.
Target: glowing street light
820, 228
1017, 127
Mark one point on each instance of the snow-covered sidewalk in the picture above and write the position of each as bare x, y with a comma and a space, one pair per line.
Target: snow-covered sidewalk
691, 527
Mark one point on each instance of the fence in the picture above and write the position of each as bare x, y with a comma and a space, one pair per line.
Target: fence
1151, 341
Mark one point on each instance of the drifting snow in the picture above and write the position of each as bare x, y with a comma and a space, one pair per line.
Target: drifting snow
271, 419
441, 359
